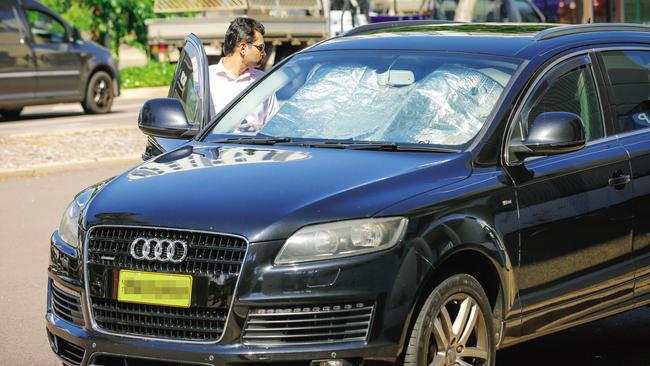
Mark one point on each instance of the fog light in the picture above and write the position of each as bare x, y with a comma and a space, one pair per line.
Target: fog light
330, 363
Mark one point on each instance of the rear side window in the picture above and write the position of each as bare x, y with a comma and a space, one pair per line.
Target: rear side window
629, 77
45, 28
10, 28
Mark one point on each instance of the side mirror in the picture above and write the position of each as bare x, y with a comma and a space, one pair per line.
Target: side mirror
165, 117
76, 36
551, 133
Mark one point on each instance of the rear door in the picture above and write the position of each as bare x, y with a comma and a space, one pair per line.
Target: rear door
191, 87
627, 70
17, 68
58, 60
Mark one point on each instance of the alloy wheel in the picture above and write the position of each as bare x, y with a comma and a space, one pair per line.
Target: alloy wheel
459, 334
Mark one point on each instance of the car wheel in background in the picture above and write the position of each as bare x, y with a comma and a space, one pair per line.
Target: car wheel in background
11, 113
454, 326
99, 93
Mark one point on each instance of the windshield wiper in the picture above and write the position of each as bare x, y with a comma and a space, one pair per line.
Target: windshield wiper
389, 146
368, 145
252, 140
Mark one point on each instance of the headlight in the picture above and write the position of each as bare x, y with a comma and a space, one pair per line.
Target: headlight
342, 239
69, 227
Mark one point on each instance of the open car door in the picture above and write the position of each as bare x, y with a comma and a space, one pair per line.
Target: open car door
192, 88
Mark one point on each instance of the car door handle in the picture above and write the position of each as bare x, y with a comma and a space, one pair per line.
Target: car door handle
619, 180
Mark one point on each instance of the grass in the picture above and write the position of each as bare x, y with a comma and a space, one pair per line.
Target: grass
151, 74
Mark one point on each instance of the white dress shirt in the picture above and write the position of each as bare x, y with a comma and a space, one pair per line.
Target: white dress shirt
224, 87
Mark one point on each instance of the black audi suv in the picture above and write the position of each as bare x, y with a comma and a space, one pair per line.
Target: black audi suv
413, 193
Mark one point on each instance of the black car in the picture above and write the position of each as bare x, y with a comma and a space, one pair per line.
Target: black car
424, 194
44, 60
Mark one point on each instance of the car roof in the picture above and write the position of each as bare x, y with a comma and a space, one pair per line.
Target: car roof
521, 40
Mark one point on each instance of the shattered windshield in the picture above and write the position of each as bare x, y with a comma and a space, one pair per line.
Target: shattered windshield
387, 96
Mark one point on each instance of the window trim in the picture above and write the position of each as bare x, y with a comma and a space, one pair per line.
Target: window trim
541, 77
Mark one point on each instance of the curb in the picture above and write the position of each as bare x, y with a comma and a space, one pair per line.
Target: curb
141, 93
45, 169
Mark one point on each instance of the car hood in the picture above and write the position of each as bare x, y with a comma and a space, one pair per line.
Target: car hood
267, 193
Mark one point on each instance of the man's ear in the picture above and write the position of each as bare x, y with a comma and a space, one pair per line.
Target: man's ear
242, 49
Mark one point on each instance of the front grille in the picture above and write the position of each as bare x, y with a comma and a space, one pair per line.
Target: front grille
66, 304
198, 324
208, 254
115, 360
308, 324
212, 259
70, 353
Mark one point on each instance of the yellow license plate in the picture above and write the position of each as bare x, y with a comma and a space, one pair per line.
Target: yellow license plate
155, 288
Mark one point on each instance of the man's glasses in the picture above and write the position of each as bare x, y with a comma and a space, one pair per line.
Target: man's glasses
260, 47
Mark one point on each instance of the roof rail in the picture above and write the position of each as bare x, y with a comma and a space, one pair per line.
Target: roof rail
584, 28
392, 25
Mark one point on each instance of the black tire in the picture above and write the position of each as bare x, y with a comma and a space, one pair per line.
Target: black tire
99, 94
428, 344
11, 113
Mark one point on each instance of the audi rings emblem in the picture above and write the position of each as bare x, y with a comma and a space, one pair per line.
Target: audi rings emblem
155, 249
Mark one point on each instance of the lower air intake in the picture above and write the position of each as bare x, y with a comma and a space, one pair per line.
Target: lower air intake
308, 324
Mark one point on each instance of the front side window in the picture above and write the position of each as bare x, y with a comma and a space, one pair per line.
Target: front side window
45, 29
629, 76
417, 98
186, 88
569, 87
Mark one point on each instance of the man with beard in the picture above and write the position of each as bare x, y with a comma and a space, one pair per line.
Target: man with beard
244, 50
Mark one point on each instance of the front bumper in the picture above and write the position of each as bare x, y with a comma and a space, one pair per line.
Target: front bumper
389, 280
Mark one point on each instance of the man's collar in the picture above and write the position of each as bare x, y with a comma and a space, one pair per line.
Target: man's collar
221, 69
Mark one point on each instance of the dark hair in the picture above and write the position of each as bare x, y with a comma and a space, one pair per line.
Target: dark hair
241, 29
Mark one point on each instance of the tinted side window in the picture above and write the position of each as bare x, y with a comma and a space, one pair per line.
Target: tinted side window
482, 10
569, 87
629, 75
185, 89
9, 25
528, 14
45, 29
488, 11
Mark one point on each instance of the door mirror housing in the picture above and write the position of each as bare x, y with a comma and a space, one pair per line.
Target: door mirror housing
165, 117
551, 133
76, 36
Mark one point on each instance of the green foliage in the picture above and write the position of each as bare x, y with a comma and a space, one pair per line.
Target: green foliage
152, 74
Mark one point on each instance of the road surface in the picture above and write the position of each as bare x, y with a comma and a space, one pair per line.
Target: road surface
71, 117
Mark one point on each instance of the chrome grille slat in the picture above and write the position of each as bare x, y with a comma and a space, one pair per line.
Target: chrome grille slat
159, 321
254, 321
346, 325
216, 256
143, 313
66, 306
306, 335
352, 310
308, 325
